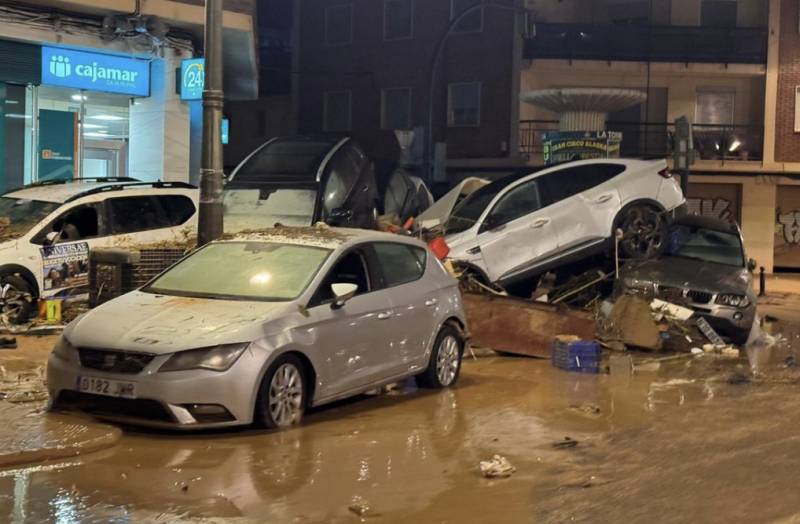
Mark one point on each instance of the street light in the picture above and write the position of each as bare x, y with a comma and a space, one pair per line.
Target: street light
435, 65
209, 226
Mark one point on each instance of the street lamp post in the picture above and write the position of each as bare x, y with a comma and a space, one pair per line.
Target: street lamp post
211, 174
435, 66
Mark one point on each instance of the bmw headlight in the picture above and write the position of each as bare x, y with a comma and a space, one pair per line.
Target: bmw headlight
218, 358
729, 299
63, 349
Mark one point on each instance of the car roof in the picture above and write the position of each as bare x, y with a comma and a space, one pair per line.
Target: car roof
60, 192
704, 222
318, 236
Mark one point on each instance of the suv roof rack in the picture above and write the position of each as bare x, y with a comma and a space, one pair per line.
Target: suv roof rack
125, 184
61, 181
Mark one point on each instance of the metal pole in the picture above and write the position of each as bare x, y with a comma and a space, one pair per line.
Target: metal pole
209, 225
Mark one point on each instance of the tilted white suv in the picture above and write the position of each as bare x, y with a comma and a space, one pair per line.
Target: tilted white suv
525, 224
47, 230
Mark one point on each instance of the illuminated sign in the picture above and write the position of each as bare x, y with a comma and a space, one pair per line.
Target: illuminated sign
95, 72
193, 78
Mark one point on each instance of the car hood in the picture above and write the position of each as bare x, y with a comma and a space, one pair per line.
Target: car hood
684, 273
164, 324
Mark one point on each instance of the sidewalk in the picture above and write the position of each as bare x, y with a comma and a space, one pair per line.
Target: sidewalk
28, 433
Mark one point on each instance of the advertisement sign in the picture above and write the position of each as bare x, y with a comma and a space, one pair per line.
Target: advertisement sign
193, 78
564, 146
95, 71
226, 125
56, 144
65, 265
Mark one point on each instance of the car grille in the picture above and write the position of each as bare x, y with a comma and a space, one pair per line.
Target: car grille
114, 361
699, 297
113, 407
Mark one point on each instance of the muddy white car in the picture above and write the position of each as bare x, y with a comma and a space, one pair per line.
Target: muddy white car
48, 229
262, 326
526, 224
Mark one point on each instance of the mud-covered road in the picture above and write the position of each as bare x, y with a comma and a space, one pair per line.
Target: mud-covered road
676, 441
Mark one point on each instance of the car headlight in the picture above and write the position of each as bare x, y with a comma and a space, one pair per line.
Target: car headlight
64, 349
729, 299
218, 358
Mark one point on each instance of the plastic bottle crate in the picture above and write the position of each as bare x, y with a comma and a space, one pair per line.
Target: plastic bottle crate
576, 355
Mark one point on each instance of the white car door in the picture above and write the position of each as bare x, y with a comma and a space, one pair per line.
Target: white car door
517, 232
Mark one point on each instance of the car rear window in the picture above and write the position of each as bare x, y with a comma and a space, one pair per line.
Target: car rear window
400, 263
286, 158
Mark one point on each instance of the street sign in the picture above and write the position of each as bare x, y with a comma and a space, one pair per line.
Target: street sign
95, 71
193, 78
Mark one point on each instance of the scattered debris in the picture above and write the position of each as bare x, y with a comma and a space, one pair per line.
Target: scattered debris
567, 443
587, 409
738, 379
359, 507
8, 343
706, 329
698, 351
631, 322
497, 467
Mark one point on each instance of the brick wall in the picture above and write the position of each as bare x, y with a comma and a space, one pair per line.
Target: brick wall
370, 64
787, 142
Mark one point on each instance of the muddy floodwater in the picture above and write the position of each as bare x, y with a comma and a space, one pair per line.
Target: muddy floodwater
673, 441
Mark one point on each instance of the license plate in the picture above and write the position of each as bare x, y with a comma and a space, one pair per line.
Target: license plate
109, 388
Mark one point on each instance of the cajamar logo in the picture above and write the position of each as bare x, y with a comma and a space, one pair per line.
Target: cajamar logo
60, 66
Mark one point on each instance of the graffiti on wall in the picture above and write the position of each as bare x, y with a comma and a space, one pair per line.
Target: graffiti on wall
789, 226
712, 207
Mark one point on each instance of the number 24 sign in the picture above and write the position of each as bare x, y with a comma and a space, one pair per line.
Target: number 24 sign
193, 77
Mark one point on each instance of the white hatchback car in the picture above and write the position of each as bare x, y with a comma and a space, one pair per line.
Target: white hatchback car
525, 224
47, 230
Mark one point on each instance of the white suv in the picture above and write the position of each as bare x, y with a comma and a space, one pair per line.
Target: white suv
47, 230
525, 224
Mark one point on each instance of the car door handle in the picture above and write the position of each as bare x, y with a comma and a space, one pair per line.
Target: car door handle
603, 199
384, 315
541, 223
432, 302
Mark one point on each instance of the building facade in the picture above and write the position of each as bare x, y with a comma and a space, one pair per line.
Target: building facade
364, 67
90, 88
729, 66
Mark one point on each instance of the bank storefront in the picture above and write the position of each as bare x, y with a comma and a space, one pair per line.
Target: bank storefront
68, 112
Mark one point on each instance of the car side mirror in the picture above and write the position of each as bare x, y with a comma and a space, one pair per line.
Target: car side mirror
751, 265
340, 215
51, 238
342, 293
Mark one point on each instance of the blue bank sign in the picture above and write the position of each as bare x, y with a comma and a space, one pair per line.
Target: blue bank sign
95, 72
193, 78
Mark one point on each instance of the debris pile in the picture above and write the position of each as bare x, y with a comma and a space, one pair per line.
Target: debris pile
497, 467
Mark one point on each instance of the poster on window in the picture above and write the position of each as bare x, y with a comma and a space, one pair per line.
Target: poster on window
721, 201
65, 266
787, 227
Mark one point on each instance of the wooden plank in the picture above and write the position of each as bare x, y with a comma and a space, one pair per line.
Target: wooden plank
523, 327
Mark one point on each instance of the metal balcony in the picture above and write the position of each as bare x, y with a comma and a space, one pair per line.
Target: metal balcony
685, 44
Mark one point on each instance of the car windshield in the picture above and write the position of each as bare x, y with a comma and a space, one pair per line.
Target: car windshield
243, 271
18, 216
286, 157
706, 245
471, 208
248, 209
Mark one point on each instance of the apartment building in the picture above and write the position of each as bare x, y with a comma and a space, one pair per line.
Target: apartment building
364, 67
729, 66
92, 87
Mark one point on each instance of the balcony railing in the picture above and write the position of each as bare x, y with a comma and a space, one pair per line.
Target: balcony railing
654, 139
685, 44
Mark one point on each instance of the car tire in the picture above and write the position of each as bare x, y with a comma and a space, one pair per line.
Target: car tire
17, 298
644, 231
282, 395
444, 366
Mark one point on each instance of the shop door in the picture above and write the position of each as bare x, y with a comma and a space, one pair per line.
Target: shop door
787, 228
103, 159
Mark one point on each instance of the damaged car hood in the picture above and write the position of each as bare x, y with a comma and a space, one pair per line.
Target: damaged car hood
685, 273
164, 324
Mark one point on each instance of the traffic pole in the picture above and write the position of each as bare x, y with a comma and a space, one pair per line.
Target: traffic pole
209, 225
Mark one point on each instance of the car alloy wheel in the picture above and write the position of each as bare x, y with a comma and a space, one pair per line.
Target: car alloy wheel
285, 396
447, 360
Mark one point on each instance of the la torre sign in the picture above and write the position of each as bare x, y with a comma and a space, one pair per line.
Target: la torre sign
95, 71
